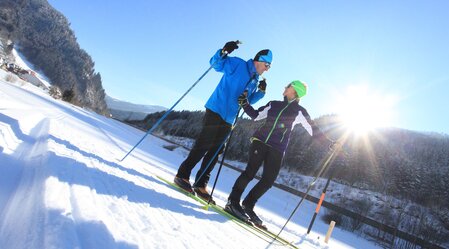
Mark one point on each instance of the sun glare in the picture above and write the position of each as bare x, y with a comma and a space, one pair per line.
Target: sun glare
363, 110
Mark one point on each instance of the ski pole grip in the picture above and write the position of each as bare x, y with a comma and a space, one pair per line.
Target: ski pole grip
225, 53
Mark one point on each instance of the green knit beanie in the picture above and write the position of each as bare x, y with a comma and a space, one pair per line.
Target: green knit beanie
300, 88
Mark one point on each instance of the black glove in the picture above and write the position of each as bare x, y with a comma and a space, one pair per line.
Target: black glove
262, 85
229, 47
243, 100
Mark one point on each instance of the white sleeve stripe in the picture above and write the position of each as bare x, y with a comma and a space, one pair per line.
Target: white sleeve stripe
300, 119
263, 114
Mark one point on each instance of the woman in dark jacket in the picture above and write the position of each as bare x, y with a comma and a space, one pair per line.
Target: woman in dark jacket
268, 145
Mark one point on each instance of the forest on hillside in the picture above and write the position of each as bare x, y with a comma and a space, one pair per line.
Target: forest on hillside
44, 37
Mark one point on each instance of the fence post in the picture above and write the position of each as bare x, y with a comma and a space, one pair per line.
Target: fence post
329, 231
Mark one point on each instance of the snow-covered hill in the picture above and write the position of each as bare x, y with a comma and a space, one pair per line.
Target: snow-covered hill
62, 186
123, 110
33, 76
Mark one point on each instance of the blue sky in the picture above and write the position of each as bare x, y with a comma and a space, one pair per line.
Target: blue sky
389, 58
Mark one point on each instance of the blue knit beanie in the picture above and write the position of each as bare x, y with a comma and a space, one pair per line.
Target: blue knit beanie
264, 56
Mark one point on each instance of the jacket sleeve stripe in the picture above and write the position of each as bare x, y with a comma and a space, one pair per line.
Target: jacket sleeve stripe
263, 111
301, 119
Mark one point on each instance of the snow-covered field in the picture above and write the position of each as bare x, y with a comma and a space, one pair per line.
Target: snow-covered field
62, 186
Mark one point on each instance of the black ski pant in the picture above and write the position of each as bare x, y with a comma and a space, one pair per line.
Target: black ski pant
259, 153
212, 135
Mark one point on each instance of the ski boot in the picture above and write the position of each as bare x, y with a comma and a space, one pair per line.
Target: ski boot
234, 208
184, 184
254, 218
203, 194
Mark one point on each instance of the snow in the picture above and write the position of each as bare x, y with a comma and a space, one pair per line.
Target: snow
62, 186
22, 62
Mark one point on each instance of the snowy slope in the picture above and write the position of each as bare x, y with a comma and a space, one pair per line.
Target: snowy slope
38, 78
61, 186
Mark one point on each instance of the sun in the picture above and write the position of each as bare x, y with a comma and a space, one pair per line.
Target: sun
363, 110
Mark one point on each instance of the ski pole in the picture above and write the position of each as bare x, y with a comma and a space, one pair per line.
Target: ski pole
225, 53
224, 155
323, 194
323, 168
226, 148
224, 143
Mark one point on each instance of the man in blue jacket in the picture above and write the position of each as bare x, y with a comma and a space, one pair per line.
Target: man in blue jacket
221, 111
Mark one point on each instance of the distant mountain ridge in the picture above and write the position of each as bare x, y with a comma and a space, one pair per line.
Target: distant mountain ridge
123, 110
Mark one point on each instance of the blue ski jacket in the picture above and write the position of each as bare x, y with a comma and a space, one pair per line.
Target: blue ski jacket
238, 76
280, 119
